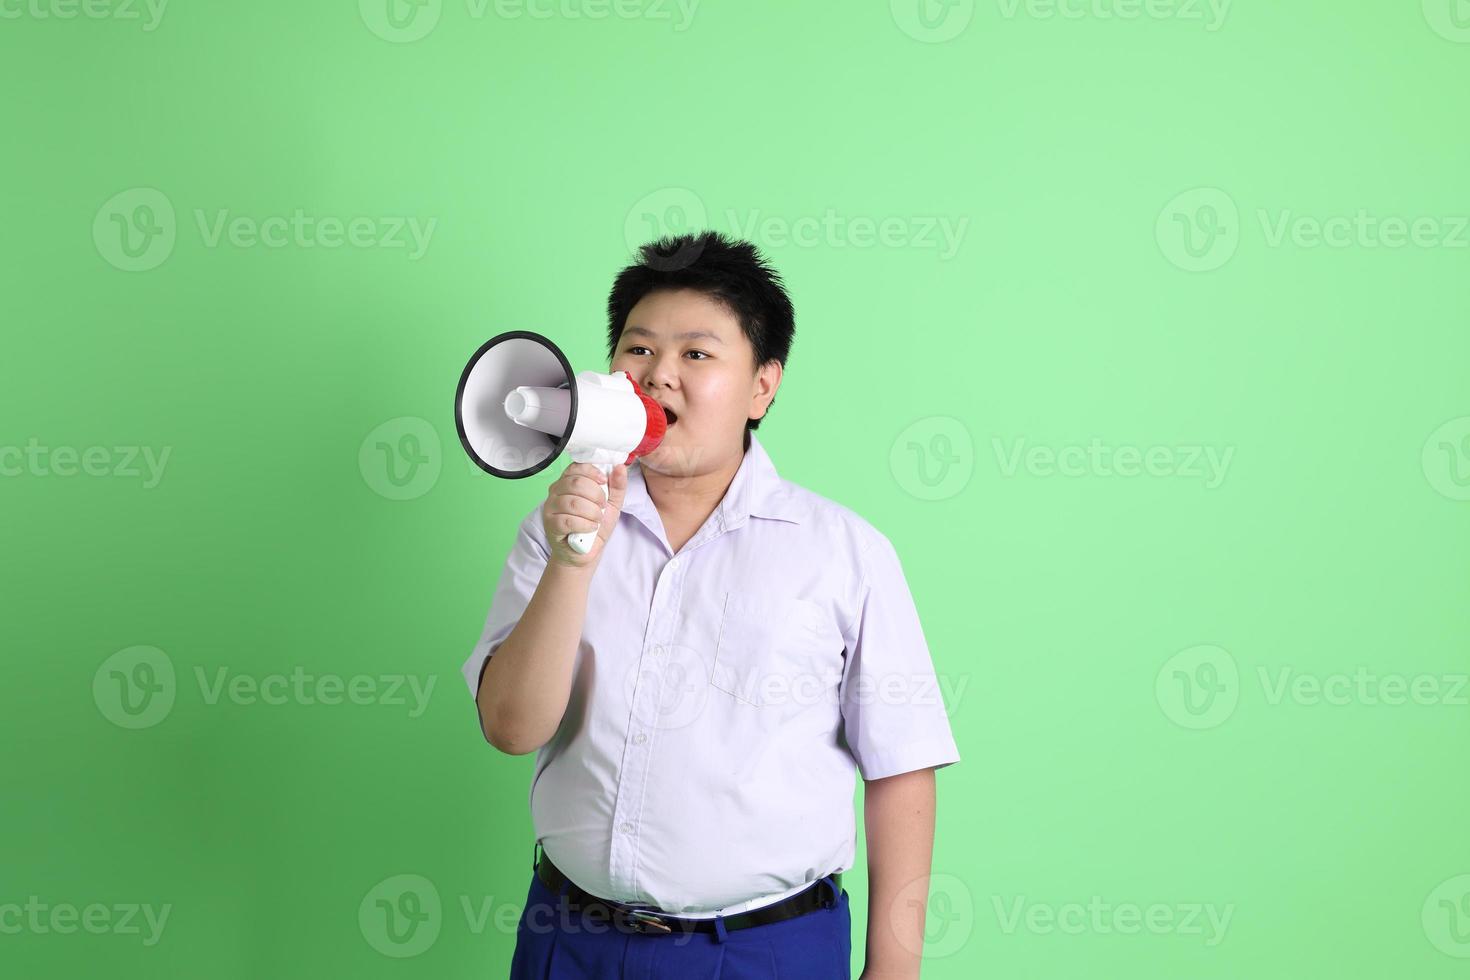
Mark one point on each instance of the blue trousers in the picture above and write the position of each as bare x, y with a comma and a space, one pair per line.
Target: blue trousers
554, 944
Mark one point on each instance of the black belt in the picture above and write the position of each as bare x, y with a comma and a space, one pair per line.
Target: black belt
651, 922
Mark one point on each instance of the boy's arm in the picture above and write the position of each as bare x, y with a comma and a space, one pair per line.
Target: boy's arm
521, 671
898, 813
525, 686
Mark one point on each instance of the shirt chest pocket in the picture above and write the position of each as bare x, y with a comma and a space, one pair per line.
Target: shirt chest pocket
773, 649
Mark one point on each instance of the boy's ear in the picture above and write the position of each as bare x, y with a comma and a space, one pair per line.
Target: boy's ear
767, 381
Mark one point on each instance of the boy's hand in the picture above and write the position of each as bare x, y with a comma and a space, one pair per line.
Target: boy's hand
574, 504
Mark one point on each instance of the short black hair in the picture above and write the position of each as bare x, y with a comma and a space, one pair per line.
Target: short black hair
730, 271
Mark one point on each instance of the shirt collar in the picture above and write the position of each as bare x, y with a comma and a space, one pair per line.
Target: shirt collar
756, 491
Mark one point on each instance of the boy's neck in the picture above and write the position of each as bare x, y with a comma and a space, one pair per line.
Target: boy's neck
691, 499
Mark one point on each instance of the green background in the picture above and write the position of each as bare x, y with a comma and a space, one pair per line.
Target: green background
1113, 645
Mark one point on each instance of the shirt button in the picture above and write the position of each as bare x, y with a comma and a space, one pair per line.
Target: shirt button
640, 738
627, 828
674, 565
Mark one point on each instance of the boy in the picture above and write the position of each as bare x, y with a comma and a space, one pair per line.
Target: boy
698, 705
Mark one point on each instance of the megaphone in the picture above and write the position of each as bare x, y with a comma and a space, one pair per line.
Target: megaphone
519, 406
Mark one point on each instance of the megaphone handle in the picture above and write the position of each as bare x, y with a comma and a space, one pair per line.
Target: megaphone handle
581, 543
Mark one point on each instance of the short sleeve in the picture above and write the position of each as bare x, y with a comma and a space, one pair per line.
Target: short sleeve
893, 716
518, 580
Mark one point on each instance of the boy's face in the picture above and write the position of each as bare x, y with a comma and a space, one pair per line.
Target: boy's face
708, 380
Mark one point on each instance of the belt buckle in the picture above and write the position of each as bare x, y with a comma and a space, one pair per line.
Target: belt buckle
644, 922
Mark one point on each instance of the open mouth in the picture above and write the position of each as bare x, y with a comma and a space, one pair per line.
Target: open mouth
670, 416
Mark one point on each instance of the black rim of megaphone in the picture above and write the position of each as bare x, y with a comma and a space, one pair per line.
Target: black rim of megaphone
459, 404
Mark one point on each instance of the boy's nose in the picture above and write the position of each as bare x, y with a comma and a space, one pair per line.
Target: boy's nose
658, 375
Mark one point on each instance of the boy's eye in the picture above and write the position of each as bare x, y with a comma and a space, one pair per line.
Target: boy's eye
639, 347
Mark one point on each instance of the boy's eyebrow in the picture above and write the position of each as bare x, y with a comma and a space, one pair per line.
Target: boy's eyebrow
686, 335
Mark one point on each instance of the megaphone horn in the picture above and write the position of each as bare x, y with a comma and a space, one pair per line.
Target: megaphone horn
519, 406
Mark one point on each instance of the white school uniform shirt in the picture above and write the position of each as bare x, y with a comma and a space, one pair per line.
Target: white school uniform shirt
722, 697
